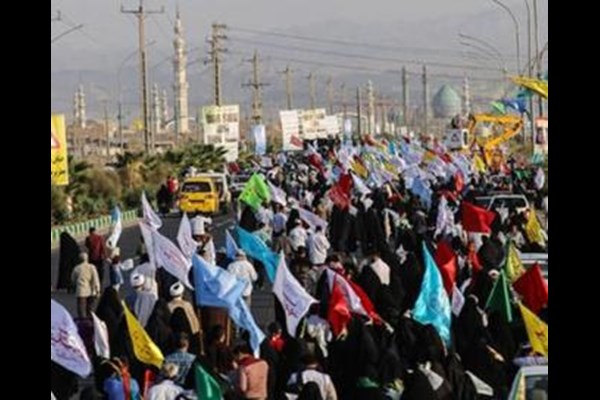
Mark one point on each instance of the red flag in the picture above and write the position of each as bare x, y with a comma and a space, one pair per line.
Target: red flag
533, 287
317, 162
338, 314
459, 182
446, 262
339, 198
473, 258
476, 219
345, 183
366, 302
149, 379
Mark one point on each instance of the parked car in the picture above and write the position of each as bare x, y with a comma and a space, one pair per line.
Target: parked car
530, 383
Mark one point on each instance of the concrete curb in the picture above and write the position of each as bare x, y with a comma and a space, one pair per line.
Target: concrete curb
80, 229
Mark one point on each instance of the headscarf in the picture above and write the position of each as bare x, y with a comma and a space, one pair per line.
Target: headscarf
68, 258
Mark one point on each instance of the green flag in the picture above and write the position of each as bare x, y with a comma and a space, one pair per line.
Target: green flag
499, 299
207, 387
256, 192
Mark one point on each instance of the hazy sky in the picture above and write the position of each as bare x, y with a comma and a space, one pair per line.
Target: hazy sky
106, 29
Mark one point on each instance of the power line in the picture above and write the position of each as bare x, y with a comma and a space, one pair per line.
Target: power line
364, 57
342, 42
358, 68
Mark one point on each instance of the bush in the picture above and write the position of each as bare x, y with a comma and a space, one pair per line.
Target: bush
58, 205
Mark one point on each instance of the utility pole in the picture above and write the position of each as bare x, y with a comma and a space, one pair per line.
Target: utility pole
370, 109
312, 90
215, 57
106, 130
425, 100
288, 86
358, 111
330, 95
538, 56
256, 86
405, 96
120, 126
343, 98
141, 14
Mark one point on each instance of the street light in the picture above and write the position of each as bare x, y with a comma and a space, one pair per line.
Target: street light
512, 16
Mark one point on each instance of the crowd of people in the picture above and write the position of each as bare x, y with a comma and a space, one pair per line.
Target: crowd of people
380, 229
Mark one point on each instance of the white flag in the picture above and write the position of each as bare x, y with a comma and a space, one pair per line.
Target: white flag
458, 301
360, 185
312, 219
187, 244
293, 297
277, 194
445, 218
169, 257
116, 228
150, 217
66, 347
540, 179
148, 241
481, 387
100, 337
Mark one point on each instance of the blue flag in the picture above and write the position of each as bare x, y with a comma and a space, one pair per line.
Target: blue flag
517, 104
230, 246
215, 287
242, 317
432, 305
257, 249
420, 189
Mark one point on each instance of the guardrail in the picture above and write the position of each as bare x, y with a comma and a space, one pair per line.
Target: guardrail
82, 228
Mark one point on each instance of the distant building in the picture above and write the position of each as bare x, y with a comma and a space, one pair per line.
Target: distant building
446, 103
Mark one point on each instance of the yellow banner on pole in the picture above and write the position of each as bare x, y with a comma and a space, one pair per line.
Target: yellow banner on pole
59, 164
536, 85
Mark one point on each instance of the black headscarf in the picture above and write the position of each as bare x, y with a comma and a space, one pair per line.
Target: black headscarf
501, 334
159, 328
417, 387
68, 258
63, 382
110, 310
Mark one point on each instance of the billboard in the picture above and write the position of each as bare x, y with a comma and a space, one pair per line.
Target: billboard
290, 130
312, 124
221, 127
59, 164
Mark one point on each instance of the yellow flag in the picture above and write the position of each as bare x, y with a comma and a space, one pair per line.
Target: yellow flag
359, 169
429, 156
533, 229
143, 347
537, 331
478, 164
535, 85
513, 267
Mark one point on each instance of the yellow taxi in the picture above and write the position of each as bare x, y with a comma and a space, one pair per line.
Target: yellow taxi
199, 195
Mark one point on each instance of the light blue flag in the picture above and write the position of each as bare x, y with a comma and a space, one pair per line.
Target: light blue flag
242, 317
260, 139
215, 287
432, 305
420, 189
116, 223
231, 246
257, 249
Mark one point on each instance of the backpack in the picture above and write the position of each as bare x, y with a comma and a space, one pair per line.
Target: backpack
310, 391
